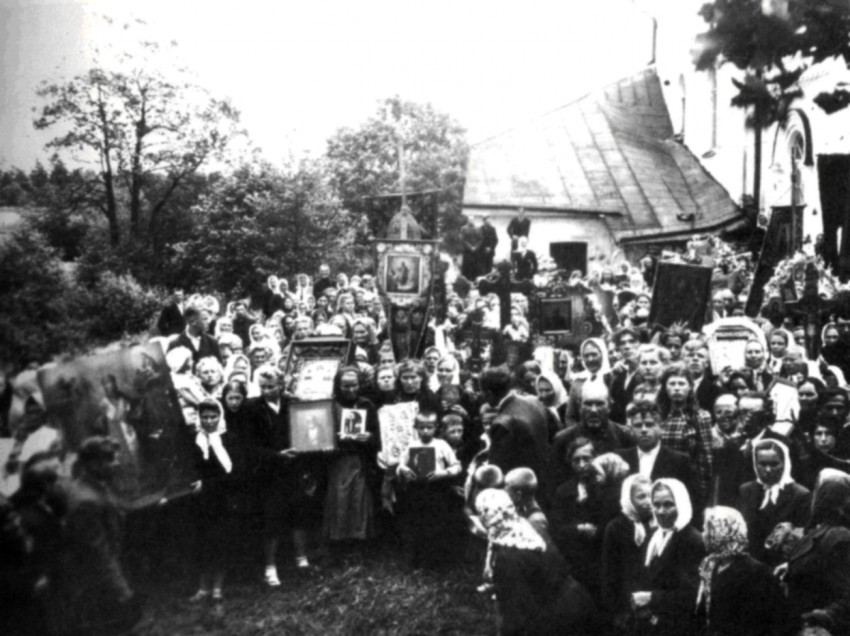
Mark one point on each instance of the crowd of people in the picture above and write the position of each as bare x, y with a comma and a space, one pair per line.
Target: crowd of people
624, 487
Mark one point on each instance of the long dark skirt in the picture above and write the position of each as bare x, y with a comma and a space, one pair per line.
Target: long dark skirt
349, 505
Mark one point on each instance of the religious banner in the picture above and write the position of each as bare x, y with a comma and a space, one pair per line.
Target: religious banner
311, 366
397, 432
405, 276
128, 396
727, 339
680, 294
568, 320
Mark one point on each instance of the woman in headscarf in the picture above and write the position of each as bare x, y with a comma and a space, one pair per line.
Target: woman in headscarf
553, 395
594, 360
534, 591
755, 363
665, 593
272, 300
772, 498
190, 393
353, 477
303, 288
624, 537
818, 575
211, 375
365, 336
218, 463
738, 595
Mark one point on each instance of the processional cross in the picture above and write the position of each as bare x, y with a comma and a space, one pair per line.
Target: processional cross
502, 284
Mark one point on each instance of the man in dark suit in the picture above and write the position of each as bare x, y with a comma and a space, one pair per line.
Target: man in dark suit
171, 320
520, 434
624, 376
489, 241
649, 457
695, 356
594, 424
519, 226
195, 338
90, 592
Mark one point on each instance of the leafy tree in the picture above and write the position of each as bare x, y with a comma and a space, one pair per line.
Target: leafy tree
773, 44
38, 306
261, 221
363, 163
137, 121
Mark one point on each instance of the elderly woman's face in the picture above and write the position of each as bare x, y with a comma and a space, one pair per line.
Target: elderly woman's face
349, 386
360, 334
664, 507
807, 394
753, 355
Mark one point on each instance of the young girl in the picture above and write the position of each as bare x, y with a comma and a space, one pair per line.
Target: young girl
216, 458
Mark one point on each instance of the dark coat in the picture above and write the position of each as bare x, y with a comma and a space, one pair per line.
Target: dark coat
792, 505
707, 392
525, 265
668, 463
208, 347
171, 320
819, 576
519, 227
673, 579
729, 472
621, 564
746, 600
537, 597
90, 590
582, 552
489, 241
526, 441
607, 440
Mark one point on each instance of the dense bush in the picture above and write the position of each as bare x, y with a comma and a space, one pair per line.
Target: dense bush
46, 311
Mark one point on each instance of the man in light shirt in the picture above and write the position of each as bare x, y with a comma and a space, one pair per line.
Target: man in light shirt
649, 458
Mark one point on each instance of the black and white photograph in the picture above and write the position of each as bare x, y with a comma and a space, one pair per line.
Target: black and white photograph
470, 318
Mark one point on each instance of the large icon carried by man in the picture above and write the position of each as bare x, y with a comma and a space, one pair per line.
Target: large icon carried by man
128, 396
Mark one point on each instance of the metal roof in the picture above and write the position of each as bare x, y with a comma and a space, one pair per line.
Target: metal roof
611, 152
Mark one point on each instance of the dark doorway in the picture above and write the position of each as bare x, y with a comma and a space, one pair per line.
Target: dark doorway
570, 256
834, 182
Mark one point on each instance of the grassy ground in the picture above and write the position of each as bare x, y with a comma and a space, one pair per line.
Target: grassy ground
370, 592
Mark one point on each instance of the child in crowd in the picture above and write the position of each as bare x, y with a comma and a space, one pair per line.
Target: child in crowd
430, 511
521, 485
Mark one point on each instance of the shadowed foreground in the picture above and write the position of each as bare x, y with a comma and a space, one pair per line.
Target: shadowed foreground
360, 594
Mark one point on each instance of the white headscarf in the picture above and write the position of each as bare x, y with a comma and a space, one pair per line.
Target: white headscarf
661, 536
212, 441
599, 343
771, 493
557, 386
628, 507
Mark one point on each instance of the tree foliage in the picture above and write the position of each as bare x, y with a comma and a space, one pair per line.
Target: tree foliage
260, 221
138, 121
773, 44
363, 163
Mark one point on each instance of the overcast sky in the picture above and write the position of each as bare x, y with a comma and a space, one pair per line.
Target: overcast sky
298, 71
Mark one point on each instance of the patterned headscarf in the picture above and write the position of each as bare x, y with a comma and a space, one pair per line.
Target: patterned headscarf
504, 526
725, 537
